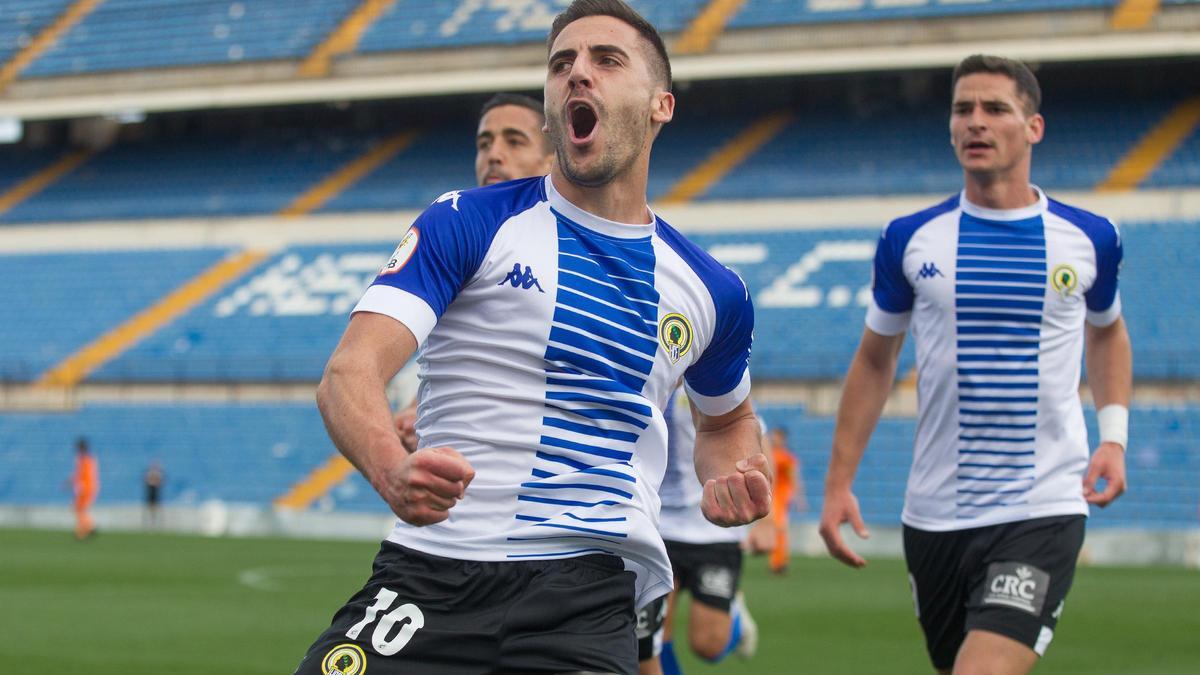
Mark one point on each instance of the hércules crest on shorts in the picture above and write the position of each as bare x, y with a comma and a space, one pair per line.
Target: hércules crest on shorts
675, 335
344, 659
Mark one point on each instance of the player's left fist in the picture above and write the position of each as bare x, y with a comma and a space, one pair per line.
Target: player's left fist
740, 497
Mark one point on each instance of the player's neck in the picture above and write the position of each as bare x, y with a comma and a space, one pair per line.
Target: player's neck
621, 201
1000, 193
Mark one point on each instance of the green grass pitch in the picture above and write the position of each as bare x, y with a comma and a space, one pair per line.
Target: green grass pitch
145, 603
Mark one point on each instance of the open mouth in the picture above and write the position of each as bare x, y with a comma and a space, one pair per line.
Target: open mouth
978, 145
582, 120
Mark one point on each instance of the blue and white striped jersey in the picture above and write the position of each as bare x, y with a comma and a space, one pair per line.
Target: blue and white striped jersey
996, 302
552, 341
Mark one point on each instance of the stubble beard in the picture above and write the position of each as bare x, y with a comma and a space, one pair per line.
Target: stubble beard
615, 159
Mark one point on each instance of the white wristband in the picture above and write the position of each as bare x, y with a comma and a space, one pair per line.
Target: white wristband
1114, 424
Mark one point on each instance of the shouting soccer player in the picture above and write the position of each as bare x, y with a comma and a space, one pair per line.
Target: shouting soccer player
558, 314
1002, 287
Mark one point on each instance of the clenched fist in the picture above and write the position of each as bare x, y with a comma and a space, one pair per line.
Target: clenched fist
741, 497
423, 487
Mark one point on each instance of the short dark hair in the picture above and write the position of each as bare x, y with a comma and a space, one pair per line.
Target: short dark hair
1018, 72
520, 100
579, 9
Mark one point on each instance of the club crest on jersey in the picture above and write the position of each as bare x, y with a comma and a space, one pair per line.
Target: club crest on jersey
1064, 280
344, 659
408, 245
675, 334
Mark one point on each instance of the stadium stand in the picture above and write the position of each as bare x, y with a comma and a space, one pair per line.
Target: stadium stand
252, 452
429, 24
1162, 468
258, 174
146, 34
244, 453
758, 13
92, 292
821, 154
275, 325
280, 321
24, 20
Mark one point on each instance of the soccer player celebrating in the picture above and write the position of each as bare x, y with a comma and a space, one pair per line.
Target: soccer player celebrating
558, 314
1002, 287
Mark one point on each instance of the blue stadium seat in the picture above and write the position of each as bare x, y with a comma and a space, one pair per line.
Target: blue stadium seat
56, 303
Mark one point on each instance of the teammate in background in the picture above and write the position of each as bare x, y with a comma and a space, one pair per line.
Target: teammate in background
706, 561
85, 482
509, 144
1003, 288
152, 481
771, 535
561, 314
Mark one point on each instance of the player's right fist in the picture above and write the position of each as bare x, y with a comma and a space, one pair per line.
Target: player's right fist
423, 487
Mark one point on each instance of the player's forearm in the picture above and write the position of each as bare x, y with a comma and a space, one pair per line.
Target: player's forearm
864, 394
719, 448
355, 409
1109, 363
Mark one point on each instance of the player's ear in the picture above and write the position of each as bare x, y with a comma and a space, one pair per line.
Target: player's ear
1035, 129
662, 107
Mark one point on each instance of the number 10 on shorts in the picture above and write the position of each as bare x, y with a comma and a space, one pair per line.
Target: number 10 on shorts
408, 615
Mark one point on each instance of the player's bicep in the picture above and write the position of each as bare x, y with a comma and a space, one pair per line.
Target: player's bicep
720, 379
376, 342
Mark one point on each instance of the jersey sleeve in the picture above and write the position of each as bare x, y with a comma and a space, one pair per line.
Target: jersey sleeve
720, 379
1103, 299
435, 259
891, 294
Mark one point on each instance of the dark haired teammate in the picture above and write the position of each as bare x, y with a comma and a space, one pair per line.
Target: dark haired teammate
558, 315
1002, 287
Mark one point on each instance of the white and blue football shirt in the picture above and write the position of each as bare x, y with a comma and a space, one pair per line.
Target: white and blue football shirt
996, 301
552, 341
681, 492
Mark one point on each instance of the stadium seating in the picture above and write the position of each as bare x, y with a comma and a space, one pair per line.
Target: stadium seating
252, 453
194, 177
279, 322
249, 453
1181, 169
23, 20
818, 154
145, 34
1163, 466
758, 13
433, 24
282, 319
55, 303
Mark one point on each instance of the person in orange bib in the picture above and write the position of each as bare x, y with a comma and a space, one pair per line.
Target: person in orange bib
86, 483
788, 491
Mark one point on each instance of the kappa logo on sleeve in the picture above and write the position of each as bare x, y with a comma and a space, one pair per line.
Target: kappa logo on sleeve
1016, 585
